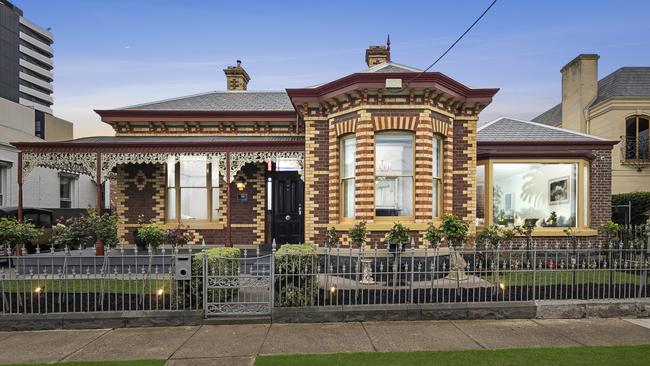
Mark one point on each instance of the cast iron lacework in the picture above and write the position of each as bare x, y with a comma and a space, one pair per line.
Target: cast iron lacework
111, 160
237, 308
237, 282
81, 163
239, 159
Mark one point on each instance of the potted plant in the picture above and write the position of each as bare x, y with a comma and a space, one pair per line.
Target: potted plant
358, 234
397, 237
433, 235
150, 235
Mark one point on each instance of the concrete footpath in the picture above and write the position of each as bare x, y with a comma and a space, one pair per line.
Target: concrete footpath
236, 345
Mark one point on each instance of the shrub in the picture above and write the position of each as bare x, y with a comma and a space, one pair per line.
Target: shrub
220, 262
178, 236
296, 280
103, 227
455, 230
151, 234
398, 235
358, 234
640, 205
16, 234
332, 237
610, 229
72, 233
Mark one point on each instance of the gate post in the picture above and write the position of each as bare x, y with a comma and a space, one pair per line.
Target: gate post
205, 282
272, 277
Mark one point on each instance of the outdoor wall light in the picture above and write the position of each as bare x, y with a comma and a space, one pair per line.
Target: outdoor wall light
240, 181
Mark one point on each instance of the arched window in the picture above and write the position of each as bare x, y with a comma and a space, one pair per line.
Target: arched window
394, 174
637, 131
348, 170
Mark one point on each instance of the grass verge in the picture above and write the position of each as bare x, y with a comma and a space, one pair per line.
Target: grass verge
573, 356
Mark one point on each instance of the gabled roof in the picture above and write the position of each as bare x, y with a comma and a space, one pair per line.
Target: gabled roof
510, 130
392, 67
626, 82
221, 101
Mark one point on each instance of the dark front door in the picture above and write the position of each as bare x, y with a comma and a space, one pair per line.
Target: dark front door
288, 207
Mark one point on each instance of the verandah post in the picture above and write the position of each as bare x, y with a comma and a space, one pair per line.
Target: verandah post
228, 203
99, 245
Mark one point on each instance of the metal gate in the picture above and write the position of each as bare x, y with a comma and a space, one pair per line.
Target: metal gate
237, 286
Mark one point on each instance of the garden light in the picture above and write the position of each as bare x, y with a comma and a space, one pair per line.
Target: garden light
38, 289
502, 286
333, 289
160, 292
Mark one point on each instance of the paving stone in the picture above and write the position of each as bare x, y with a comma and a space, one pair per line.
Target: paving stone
45, 346
224, 341
599, 332
223, 361
512, 334
641, 322
136, 344
316, 338
417, 336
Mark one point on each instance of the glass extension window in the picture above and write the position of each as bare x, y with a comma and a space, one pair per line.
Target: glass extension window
637, 133
393, 174
348, 170
192, 189
437, 176
545, 194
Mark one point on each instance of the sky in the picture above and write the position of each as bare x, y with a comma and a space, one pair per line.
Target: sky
110, 54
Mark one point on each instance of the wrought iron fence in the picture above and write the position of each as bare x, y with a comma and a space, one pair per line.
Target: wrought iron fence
253, 283
547, 271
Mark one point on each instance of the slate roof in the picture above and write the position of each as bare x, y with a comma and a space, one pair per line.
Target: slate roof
510, 129
222, 101
626, 82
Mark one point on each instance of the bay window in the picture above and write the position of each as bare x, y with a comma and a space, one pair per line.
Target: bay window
436, 169
393, 174
192, 189
348, 170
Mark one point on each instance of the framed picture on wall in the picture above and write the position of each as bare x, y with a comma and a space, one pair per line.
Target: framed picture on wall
558, 190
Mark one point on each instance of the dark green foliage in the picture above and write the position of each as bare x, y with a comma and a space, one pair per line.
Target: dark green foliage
640, 205
296, 279
455, 230
398, 235
358, 234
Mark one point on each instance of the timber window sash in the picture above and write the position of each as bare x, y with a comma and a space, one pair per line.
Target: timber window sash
436, 175
637, 133
348, 173
192, 185
394, 175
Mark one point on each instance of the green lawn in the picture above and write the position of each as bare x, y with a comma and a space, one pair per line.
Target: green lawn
72, 286
565, 277
575, 356
102, 363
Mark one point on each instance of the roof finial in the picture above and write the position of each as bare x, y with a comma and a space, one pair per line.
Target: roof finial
388, 48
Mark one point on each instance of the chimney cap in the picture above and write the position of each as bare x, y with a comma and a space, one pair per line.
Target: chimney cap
581, 57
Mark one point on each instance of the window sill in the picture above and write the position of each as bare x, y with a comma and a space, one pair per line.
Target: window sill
195, 225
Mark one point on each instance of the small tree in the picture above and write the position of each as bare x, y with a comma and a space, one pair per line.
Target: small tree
610, 230
16, 234
455, 230
398, 235
495, 234
433, 235
151, 234
103, 227
358, 234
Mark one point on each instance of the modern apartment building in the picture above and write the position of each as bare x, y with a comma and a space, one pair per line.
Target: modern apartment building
26, 114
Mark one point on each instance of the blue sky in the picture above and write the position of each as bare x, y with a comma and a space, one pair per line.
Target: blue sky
115, 53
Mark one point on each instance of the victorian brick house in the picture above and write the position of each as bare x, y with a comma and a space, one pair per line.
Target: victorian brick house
387, 144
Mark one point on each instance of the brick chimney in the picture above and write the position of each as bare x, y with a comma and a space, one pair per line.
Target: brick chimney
236, 77
579, 88
376, 55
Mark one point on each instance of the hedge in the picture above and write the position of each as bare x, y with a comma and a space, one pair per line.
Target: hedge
640, 205
296, 280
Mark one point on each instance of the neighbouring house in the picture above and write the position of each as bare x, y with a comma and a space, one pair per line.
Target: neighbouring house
387, 144
616, 107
